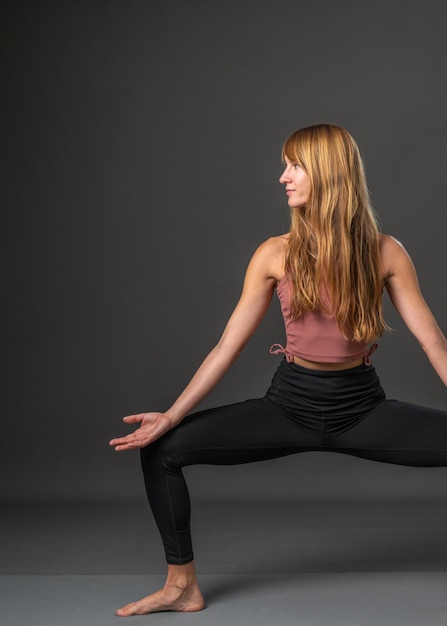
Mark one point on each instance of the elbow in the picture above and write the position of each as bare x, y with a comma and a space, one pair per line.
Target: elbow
436, 353
436, 345
228, 350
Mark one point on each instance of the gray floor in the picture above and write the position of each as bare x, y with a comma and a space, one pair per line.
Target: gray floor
275, 564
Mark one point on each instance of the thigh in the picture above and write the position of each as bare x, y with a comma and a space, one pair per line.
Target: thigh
399, 432
237, 433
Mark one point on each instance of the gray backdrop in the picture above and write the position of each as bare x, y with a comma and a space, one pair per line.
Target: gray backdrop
142, 154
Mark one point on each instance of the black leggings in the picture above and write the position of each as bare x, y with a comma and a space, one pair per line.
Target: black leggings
343, 411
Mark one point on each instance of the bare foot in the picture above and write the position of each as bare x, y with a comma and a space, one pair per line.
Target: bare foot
170, 598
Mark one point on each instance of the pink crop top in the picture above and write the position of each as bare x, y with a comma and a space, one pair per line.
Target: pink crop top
315, 336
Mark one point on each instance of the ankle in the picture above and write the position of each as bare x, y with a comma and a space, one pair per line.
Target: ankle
181, 577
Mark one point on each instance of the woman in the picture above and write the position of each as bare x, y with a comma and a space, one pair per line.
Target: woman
329, 272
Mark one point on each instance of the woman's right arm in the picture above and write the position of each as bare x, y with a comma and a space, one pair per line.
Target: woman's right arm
263, 272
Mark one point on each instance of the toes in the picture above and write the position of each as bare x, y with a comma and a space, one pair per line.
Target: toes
124, 611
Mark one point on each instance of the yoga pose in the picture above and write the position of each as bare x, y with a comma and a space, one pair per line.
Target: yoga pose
329, 272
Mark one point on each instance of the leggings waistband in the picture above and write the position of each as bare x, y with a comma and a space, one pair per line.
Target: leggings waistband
308, 394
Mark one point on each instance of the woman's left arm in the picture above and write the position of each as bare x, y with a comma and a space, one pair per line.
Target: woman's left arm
403, 289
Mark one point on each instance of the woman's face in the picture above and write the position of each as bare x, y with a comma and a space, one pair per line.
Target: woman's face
297, 184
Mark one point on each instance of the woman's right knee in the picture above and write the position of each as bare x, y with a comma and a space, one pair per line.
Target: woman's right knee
159, 455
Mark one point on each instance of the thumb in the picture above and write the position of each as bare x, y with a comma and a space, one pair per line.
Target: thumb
133, 419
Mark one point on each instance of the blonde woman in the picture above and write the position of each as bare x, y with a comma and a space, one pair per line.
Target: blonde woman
329, 273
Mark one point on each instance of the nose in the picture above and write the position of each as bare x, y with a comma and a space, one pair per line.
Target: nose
285, 176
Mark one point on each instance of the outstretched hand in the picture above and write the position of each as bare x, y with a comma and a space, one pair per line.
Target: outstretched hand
151, 427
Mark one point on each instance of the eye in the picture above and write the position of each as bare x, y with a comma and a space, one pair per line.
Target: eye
296, 166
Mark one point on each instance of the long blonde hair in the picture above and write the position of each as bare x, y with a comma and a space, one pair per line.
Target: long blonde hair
333, 244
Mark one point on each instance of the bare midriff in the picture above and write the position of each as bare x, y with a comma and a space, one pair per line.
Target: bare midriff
315, 365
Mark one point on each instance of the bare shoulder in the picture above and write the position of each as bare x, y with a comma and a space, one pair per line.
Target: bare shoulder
270, 254
274, 245
393, 255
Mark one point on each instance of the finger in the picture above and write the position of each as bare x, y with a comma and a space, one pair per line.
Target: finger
123, 440
133, 419
131, 438
131, 445
123, 447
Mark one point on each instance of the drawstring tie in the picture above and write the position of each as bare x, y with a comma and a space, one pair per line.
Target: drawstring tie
277, 348
367, 358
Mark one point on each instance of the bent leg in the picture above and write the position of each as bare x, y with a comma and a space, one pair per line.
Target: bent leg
401, 433
248, 431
